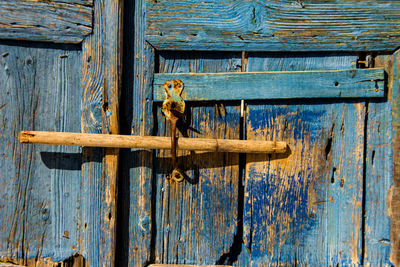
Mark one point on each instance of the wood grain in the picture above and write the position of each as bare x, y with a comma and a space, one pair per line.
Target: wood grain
306, 207
395, 203
50, 21
39, 204
136, 206
102, 70
277, 25
276, 85
151, 142
379, 175
196, 220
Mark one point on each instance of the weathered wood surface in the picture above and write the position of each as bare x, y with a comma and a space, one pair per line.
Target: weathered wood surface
151, 142
135, 206
378, 176
40, 197
197, 220
306, 207
276, 85
277, 25
101, 81
395, 203
183, 265
61, 21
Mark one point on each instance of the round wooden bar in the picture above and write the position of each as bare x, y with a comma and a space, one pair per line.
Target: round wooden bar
151, 142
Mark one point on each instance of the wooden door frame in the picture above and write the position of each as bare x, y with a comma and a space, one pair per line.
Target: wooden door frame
101, 84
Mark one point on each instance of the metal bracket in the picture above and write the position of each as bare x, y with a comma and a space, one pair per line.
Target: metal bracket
173, 108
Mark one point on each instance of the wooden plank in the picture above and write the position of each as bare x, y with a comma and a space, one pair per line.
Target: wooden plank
276, 25
197, 220
276, 85
50, 21
102, 69
312, 198
136, 208
378, 177
39, 202
395, 203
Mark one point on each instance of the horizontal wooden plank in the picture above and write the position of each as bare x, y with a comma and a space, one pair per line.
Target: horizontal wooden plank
275, 85
67, 21
275, 25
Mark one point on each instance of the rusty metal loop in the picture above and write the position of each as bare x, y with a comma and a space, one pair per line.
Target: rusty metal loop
176, 173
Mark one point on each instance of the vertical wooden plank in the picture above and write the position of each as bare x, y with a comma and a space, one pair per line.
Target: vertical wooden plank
305, 207
135, 206
378, 173
395, 203
40, 196
196, 220
102, 69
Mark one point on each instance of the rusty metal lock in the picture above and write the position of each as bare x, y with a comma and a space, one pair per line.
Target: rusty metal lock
173, 108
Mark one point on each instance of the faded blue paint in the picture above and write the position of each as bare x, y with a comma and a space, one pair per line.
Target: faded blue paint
61, 21
276, 85
278, 25
196, 222
316, 211
295, 116
40, 204
379, 175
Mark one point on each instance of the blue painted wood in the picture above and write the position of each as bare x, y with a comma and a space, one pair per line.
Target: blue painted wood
40, 197
101, 76
61, 21
395, 202
378, 177
276, 25
276, 85
379, 172
136, 205
305, 207
197, 220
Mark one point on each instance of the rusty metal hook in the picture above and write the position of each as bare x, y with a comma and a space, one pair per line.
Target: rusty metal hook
173, 108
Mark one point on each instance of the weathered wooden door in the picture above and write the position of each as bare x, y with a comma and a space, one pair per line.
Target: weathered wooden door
324, 202
59, 71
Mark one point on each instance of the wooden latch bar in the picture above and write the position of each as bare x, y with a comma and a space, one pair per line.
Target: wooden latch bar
151, 142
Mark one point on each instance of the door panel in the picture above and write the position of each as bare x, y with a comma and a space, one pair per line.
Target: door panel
39, 202
197, 220
305, 207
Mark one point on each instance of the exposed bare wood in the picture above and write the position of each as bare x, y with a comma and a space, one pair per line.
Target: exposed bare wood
102, 69
151, 142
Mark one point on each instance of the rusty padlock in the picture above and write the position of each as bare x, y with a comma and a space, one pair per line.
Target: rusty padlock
173, 108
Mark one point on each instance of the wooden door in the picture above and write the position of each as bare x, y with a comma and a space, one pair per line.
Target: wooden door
59, 72
324, 202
